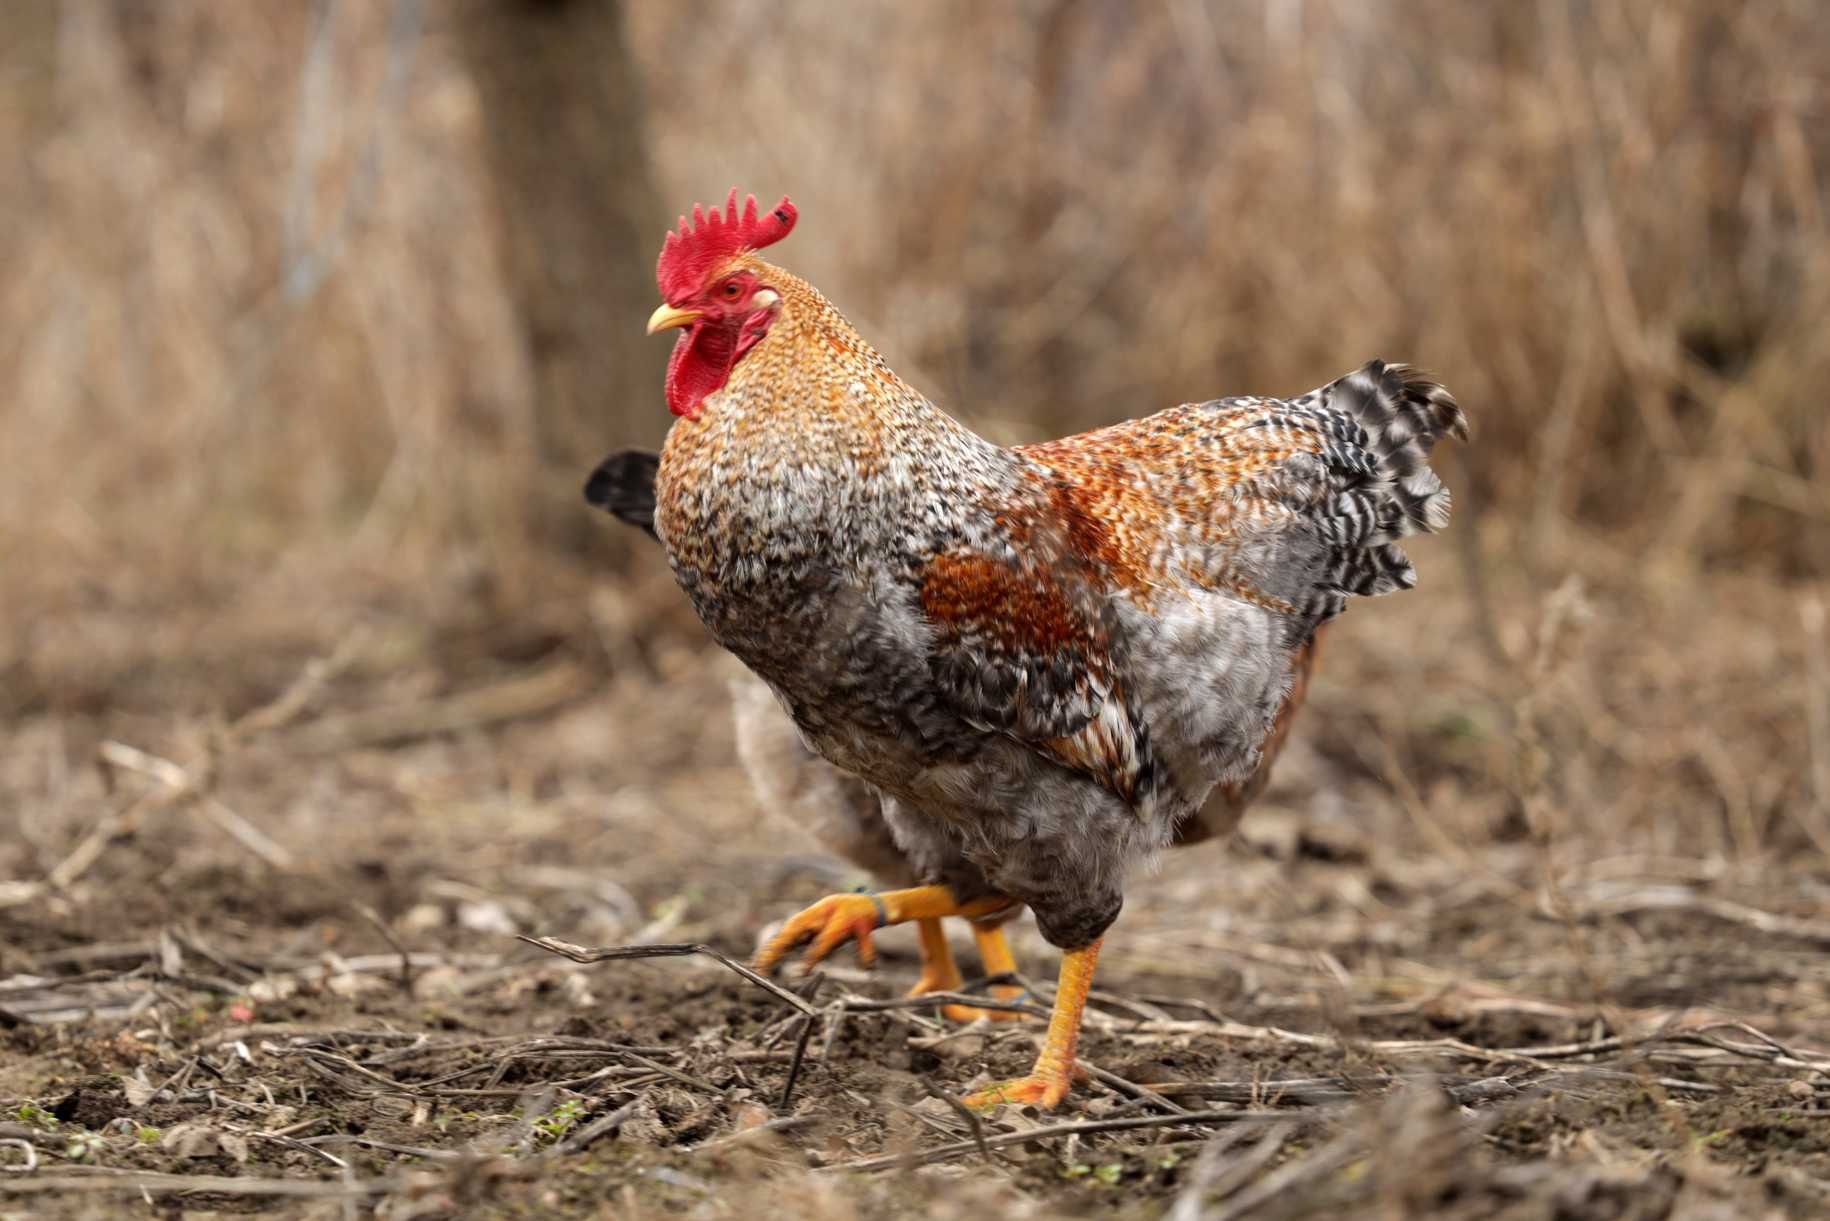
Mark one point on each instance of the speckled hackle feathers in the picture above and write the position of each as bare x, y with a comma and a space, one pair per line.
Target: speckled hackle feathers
714, 236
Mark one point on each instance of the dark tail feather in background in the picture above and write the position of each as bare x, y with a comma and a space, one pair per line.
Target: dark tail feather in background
623, 486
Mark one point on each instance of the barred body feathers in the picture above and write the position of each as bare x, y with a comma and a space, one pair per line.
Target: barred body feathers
841, 811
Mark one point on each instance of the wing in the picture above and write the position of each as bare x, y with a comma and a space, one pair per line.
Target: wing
1026, 644
1292, 505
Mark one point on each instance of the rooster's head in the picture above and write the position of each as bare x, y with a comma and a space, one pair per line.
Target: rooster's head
718, 293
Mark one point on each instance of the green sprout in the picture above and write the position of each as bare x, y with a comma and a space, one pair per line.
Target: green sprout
34, 1116
558, 1121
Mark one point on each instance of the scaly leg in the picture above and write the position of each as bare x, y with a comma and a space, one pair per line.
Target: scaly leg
995, 958
837, 919
939, 973
1048, 1082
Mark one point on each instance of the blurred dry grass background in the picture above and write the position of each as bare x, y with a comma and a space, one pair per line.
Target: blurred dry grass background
265, 379
284, 378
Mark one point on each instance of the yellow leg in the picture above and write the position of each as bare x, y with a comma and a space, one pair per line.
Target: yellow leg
840, 918
939, 973
1047, 1083
995, 958
994, 952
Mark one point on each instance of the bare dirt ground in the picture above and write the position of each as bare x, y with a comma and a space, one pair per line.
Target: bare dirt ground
1511, 936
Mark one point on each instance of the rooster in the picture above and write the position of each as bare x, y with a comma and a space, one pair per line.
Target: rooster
845, 814
1046, 657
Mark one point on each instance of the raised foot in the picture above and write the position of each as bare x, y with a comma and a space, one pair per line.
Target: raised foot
830, 923
1044, 1092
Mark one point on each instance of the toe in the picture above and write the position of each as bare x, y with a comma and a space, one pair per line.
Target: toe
840, 928
1043, 1093
971, 1013
830, 923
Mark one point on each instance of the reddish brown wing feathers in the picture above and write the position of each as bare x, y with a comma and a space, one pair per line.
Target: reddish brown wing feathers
1024, 645
1144, 510
1014, 609
1188, 482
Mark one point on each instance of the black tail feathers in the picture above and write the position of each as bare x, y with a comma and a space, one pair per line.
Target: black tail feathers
623, 486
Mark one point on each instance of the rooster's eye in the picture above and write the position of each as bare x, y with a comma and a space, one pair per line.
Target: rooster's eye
732, 290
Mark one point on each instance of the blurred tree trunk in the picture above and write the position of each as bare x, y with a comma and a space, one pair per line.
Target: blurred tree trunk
563, 121
28, 70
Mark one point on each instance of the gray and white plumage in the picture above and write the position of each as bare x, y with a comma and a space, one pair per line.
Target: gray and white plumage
841, 811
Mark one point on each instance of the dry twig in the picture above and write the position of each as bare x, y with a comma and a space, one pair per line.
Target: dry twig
612, 953
214, 1184
800, 1045
598, 1128
1083, 1127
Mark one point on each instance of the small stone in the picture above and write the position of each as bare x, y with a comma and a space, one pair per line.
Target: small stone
424, 918
750, 1115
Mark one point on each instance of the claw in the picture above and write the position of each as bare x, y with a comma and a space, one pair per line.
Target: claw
830, 923
1045, 1092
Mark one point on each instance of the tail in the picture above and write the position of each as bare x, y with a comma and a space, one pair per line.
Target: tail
1403, 414
623, 486
1381, 487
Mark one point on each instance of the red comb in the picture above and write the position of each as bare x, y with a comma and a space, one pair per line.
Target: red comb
688, 255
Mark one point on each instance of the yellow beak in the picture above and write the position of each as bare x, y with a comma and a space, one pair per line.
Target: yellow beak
667, 318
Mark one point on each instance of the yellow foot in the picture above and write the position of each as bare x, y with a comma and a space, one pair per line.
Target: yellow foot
939, 973
830, 923
837, 918
972, 1013
935, 981
1037, 1091
995, 957
1056, 1067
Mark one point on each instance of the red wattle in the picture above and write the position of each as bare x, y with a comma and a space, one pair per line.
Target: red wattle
700, 364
